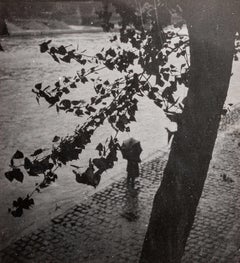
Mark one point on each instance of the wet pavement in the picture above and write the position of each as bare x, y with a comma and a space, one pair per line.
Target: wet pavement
110, 225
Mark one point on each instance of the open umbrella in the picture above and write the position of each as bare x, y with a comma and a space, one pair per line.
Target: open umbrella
131, 150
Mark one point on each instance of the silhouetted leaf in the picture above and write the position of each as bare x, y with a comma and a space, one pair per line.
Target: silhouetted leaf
38, 86
44, 46
111, 52
79, 112
84, 80
66, 103
76, 102
37, 152
18, 175
166, 76
66, 80
9, 175
100, 56
18, 212
66, 59
62, 50
73, 85
90, 108
55, 58
18, 155
99, 148
27, 163
15, 174
65, 90
57, 84
112, 119
56, 139
53, 50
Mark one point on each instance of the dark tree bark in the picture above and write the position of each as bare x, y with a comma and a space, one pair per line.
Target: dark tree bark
211, 31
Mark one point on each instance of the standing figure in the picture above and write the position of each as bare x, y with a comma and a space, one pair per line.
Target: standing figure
132, 172
131, 150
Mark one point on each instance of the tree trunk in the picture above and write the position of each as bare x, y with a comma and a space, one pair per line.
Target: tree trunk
211, 48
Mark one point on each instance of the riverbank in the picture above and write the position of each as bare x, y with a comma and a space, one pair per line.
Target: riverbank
83, 29
41, 29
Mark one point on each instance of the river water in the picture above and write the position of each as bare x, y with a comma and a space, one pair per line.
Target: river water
26, 126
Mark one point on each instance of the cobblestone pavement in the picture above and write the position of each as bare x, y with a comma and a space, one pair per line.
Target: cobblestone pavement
110, 226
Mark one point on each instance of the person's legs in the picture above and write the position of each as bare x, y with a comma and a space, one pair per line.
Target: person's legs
132, 181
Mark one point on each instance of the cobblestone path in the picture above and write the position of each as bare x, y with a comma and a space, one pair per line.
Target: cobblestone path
110, 226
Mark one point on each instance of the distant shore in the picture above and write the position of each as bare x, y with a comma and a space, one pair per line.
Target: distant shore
77, 30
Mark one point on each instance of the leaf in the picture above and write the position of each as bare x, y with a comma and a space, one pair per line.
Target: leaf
57, 84
62, 50
66, 59
76, 102
90, 108
112, 119
158, 102
100, 56
113, 39
154, 89
84, 80
75, 166
66, 80
53, 50
166, 76
99, 148
15, 174
83, 61
106, 83
56, 139
151, 95
18, 155
132, 118
73, 85
37, 152
18, 175
65, 90
18, 212
79, 112
9, 175
66, 104
27, 202
38, 86
44, 47
27, 163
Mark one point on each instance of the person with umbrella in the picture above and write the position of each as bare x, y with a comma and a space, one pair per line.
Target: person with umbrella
131, 150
